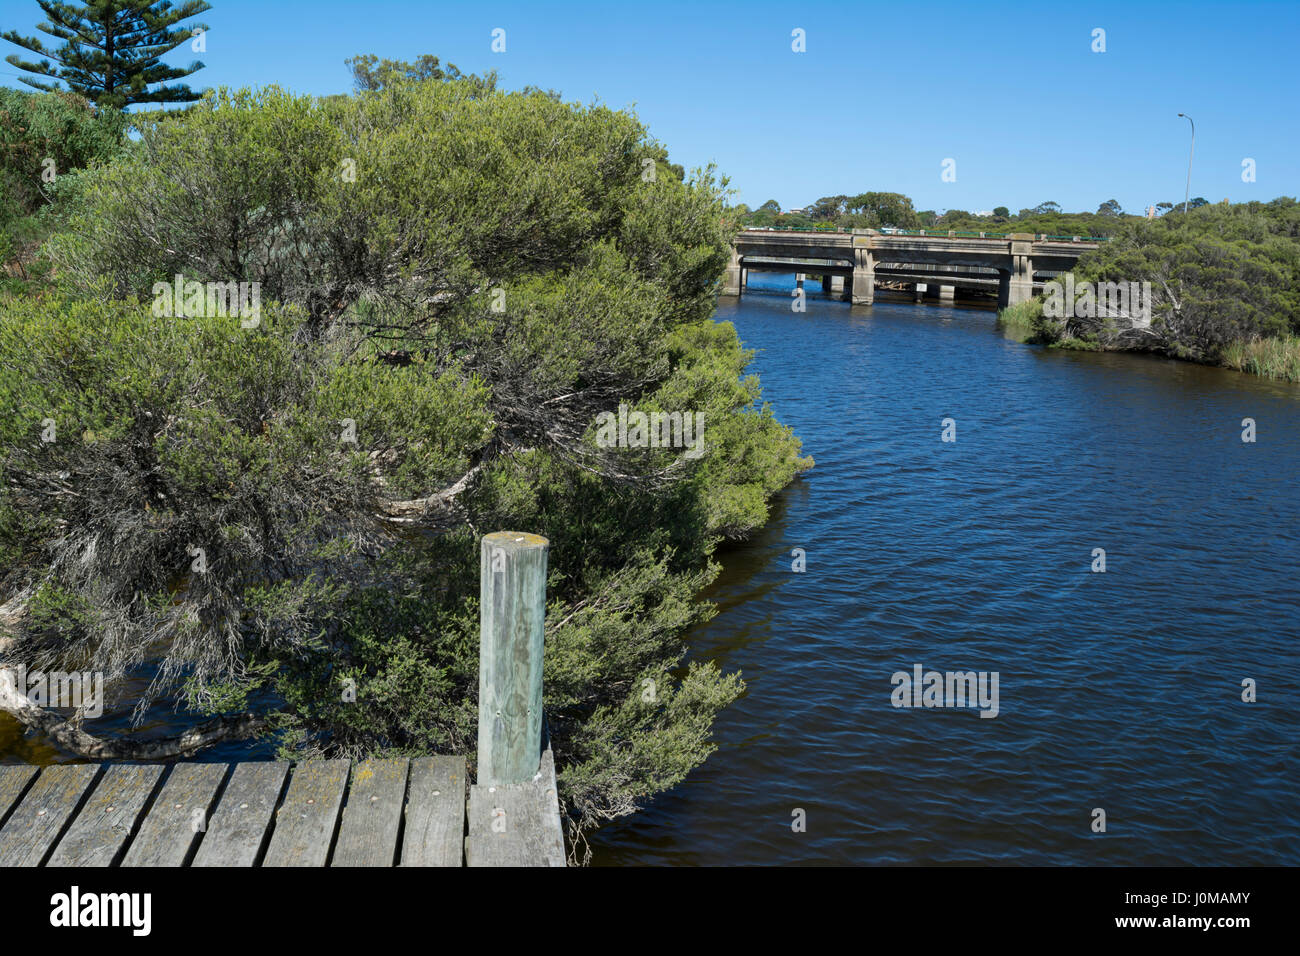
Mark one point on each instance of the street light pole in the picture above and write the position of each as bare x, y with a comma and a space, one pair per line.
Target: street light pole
1188, 191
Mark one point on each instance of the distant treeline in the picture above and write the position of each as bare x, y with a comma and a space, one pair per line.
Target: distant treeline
877, 210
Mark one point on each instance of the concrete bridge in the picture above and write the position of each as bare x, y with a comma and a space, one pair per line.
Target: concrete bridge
853, 263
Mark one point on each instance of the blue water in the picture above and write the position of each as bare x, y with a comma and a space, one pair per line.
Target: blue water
1119, 690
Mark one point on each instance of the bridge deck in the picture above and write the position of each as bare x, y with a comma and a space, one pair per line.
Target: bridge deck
263, 813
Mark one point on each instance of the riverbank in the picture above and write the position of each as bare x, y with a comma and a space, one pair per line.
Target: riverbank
1219, 286
1274, 357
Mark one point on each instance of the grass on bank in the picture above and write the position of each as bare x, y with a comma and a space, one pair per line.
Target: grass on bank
1020, 318
1273, 358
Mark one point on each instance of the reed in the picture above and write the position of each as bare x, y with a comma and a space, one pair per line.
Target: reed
1020, 318
1273, 357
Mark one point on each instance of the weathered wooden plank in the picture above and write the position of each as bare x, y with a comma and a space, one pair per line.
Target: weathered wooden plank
372, 818
13, 784
305, 822
516, 824
435, 813
171, 829
35, 825
99, 833
238, 829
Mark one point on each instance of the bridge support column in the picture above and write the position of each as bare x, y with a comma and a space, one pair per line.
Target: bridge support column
732, 279
841, 287
798, 280
947, 293
1016, 285
864, 277
826, 285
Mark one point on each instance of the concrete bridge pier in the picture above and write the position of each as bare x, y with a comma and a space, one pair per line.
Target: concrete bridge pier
826, 285
864, 275
841, 288
1016, 285
733, 280
935, 292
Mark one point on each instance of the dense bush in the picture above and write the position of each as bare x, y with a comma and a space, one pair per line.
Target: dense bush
1220, 275
43, 138
62, 128
500, 270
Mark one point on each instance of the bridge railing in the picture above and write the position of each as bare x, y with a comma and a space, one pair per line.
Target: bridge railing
835, 229
1078, 238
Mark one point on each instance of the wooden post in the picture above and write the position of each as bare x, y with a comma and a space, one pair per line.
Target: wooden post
512, 619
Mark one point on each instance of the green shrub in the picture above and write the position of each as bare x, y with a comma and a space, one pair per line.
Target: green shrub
1218, 274
1024, 318
499, 273
44, 139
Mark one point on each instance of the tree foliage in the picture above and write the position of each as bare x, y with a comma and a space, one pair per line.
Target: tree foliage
370, 73
45, 135
44, 138
1219, 275
112, 50
467, 277
879, 210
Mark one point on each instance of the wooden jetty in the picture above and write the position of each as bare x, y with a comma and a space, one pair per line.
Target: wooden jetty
264, 813
397, 812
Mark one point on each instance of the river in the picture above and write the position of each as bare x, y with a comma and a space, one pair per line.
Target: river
1119, 691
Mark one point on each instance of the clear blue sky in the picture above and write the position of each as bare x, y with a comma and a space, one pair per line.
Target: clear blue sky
884, 94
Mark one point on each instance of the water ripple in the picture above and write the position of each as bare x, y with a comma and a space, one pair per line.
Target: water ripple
1120, 691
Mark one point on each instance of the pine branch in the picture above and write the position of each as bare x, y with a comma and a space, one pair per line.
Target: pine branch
111, 51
